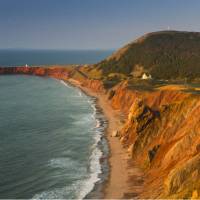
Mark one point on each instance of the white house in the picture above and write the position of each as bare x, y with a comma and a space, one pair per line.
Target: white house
146, 77
26, 65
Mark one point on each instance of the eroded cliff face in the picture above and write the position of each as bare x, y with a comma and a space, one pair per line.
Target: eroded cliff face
162, 133
95, 85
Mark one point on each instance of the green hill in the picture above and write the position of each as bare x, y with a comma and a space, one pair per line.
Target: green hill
164, 54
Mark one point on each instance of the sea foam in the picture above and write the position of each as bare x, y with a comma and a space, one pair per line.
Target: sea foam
64, 83
85, 186
95, 166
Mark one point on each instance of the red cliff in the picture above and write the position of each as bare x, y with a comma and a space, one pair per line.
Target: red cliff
162, 132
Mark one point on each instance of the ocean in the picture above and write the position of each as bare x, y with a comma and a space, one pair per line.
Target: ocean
51, 133
13, 57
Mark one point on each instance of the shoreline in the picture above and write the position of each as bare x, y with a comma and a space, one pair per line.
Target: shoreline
118, 185
96, 191
102, 145
124, 174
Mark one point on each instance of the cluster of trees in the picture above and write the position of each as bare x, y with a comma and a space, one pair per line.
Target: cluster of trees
166, 55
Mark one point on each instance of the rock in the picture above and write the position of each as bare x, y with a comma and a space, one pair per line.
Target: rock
195, 194
115, 134
152, 152
122, 139
130, 149
182, 175
140, 114
111, 94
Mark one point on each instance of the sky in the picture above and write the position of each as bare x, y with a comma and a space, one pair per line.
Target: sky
90, 24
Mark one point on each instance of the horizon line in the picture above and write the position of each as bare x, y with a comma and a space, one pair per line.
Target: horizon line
60, 49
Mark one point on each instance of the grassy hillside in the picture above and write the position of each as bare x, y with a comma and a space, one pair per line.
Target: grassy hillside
165, 55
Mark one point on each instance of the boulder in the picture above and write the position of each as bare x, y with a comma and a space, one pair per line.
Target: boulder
115, 134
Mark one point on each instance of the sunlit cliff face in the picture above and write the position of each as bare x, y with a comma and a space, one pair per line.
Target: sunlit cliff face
162, 133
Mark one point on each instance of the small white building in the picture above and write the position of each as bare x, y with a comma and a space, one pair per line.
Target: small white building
146, 77
26, 66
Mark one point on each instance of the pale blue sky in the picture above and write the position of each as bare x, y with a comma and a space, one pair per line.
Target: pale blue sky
90, 24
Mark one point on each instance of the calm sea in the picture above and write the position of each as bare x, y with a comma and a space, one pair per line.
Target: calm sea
11, 57
50, 132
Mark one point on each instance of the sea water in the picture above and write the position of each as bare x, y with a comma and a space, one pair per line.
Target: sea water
13, 57
50, 139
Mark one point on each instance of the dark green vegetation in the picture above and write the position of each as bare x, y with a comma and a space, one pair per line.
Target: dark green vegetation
169, 55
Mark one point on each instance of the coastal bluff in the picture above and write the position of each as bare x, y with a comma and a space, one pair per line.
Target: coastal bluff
60, 72
160, 130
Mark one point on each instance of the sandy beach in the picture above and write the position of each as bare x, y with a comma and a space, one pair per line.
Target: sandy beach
125, 178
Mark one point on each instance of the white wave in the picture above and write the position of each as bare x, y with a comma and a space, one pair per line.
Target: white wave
95, 165
67, 152
80, 94
89, 101
94, 108
59, 193
97, 123
64, 83
62, 163
83, 187
95, 171
93, 116
84, 119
